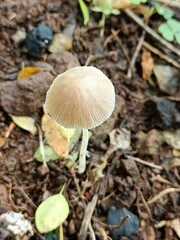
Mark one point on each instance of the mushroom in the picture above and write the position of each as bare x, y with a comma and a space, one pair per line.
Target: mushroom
82, 97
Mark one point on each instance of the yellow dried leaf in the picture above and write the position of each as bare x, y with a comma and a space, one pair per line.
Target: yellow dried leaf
60, 43
147, 65
28, 71
53, 137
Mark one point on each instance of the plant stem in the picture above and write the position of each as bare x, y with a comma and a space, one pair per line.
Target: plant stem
83, 150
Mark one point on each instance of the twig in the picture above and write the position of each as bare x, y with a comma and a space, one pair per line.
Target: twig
133, 60
87, 217
115, 35
93, 236
161, 55
113, 227
151, 32
162, 193
25, 196
144, 201
144, 162
170, 3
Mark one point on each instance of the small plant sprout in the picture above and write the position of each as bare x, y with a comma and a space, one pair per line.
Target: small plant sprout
82, 97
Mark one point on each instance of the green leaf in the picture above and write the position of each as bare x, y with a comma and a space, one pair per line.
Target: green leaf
170, 30
26, 123
115, 11
50, 154
51, 213
166, 32
166, 12
85, 11
51, 236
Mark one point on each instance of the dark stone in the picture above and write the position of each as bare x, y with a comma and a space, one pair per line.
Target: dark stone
25, 96
130, 226
37, 40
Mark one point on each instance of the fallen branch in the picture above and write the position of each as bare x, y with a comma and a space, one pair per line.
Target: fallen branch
87, 217
133, 60
162, 193
161, 55
145, 163
170, 3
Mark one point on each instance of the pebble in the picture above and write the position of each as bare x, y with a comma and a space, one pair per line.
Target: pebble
130, 226
38, 39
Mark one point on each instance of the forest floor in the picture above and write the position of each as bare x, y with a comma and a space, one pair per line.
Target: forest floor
133, 158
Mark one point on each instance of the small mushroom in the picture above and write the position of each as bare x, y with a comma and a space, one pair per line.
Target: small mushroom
82, 97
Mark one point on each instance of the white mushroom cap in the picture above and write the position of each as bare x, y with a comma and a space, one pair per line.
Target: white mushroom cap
82, 97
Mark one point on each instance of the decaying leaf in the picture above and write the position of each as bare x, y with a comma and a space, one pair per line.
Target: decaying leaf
53, 137
120, 138
28, 71
147, 65
51, 213
26, 123
49, 154
60, 139
60, 43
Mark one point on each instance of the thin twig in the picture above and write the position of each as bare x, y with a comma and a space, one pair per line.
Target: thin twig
144, 201
115, 35
25, 196
144, 162
160, 54
87, 217
133, 60
162, 193
93, 236
170, 3
113, 227
151, 32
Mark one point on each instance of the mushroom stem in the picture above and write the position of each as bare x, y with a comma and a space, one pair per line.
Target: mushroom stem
83, 150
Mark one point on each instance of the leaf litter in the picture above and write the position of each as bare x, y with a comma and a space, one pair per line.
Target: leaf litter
144, 143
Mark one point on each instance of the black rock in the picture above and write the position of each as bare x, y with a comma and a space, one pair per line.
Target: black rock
37, 40
130, 226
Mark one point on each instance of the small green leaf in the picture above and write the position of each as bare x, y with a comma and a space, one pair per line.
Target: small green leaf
115, 11
51, 213
50, 154
85, 11
26, 123
170, 30
166, 12
166, 32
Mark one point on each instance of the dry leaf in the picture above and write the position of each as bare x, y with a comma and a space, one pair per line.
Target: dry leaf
53, 137
28, 71
2, 141
147, 65
26, 123
60, 43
